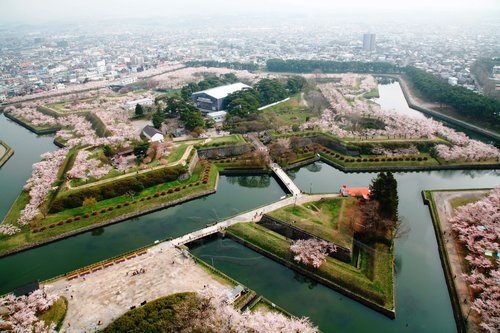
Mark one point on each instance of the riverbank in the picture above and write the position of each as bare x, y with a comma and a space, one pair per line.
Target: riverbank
6, 152
417, 104
452, 255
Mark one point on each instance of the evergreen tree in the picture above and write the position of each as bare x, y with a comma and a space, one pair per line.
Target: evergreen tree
139, 110
158, 118
384, 189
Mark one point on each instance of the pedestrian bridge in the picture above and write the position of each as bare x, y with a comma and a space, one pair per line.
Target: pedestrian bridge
286, 180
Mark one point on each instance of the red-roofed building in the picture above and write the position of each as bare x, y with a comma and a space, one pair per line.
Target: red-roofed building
355, 192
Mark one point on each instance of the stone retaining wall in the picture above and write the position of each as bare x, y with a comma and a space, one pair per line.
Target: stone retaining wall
225, 151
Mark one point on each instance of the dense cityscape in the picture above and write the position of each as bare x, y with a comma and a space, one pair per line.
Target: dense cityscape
53, 57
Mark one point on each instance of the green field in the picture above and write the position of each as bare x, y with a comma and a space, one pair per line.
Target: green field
288, 113
320, 218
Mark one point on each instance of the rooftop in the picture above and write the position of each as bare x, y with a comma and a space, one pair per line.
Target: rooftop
223, 91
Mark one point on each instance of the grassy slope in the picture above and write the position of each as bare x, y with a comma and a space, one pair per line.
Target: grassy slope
288, 113
353, 279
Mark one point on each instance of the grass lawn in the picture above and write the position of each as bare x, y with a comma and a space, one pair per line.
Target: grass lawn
470, 197
320, 218
377, 288
56, 313
26, 236
288, 113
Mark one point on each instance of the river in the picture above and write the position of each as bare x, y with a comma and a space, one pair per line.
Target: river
422, 299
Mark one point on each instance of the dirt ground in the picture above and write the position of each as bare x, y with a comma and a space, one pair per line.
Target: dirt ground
102, 296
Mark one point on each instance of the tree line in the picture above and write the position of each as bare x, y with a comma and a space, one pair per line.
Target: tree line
326, 66
463, 101
218, 64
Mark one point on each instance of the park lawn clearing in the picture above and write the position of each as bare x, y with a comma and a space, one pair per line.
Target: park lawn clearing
320, 218
288, 113
378, 290
26, 236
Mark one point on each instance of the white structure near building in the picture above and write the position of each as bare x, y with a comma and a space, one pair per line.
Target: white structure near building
152, 134
143, 102
217, 116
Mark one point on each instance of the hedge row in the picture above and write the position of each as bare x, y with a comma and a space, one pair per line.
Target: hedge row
114, 189
373, 159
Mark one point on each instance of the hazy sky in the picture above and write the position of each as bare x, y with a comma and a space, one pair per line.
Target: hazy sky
65, 10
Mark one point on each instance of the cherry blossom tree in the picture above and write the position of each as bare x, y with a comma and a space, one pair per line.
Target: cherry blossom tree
312, 251
476, 227
22, 312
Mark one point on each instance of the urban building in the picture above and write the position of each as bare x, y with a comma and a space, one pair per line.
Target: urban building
369, 42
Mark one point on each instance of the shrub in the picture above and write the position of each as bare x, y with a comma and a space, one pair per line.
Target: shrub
87, 215
204, 181
382, 159
413, 159
103, 210
376, 159
43, 228
400, 159
407, 158
157, 194
127, 203
184, 187
119, 206
419, 158
94, 212
178, 188
69, 219
61, 222
142, 199
110, 208
163, 192
35, 230
190, 184
89, 201
197, 183
425, 158
77, 218
170, 190
52, 225
358, 160
149, 197
365, 160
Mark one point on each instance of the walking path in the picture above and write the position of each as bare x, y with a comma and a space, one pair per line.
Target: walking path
131, 174
455, 255
104, 295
